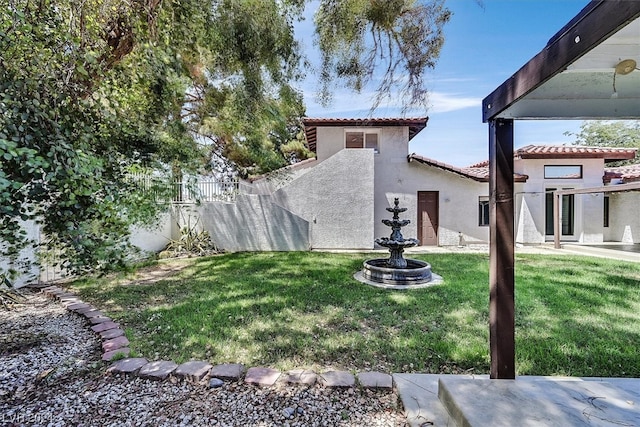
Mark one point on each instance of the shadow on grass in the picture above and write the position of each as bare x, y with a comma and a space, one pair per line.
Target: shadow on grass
301, 309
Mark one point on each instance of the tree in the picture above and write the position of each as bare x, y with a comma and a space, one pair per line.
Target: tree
610, 134
91, 90
359, 37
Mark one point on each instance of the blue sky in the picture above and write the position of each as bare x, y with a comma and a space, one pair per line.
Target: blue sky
484, 46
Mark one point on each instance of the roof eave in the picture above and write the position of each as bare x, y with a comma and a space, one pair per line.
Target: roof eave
594, 24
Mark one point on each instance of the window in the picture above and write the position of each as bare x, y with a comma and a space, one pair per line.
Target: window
567, 213
563, 172
362, 139
606, 211
354, 140
483, 211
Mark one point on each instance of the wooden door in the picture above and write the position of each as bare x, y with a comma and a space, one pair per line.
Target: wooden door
428, 218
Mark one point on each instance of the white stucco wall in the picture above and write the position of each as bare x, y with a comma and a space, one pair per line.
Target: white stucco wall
278, 179
336, 198
254, 223
458, 202
624, 218
24, 263
588, 215
154, 238
396, 177
330, 141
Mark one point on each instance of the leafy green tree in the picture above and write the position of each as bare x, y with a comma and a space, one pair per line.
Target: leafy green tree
92, 90
610, 134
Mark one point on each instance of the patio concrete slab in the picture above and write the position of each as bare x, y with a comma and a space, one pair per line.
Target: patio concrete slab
419, 395
538, 402
526, 401
619, 251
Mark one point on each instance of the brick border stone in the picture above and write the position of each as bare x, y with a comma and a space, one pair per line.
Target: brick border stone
193, 371
115, 343
265, 377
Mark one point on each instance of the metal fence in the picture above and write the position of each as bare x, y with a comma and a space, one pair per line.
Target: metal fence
191, 190
204, 191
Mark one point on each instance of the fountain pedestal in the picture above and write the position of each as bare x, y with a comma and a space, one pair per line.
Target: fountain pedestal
396, 272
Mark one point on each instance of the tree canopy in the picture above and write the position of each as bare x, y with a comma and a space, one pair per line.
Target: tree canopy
389, 42
610, 134
92, 90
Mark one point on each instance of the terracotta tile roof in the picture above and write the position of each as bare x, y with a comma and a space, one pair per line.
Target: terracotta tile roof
574, 152
415, 125
476, 173
630, 173
609, 154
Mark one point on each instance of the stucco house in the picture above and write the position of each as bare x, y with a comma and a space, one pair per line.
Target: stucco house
338, 199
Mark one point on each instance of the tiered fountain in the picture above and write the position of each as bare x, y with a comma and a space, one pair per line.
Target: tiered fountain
396, 272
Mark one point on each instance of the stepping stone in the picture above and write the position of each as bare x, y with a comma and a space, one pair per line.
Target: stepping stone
193, 371
338, 379
66, 302
60, 296
227, 371
159, 370
55, 292
115, 343
375, 380
265, 377
127, 366
92, 313
107, 356
86, 310
99, 319
104, 326
78, 306
300, 376
111, 333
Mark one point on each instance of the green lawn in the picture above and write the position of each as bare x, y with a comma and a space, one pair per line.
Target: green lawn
574, 315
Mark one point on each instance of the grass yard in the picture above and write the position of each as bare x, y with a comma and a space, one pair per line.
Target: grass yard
574, 315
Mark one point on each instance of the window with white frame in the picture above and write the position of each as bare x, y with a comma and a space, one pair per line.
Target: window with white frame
356, 138
563, 171
483, 211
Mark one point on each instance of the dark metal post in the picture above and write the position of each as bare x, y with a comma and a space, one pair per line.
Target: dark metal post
502, 255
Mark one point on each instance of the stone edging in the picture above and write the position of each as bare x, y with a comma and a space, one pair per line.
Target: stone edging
115, 343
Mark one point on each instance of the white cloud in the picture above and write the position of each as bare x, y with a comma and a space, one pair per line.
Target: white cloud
442, 102
345, 102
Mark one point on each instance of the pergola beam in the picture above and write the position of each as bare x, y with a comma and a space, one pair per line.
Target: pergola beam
597, 21
632, 186
501, 269
593, 26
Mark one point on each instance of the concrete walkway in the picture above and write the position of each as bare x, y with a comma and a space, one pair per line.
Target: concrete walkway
612, 250
464, 400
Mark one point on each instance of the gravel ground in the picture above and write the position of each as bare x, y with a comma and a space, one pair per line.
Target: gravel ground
51, 375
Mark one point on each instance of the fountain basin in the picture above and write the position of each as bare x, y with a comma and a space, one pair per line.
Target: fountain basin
417, 274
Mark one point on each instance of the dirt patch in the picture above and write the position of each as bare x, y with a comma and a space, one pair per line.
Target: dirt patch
156, 273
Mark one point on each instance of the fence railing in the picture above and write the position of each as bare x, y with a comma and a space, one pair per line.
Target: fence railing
205, 191
187, 191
